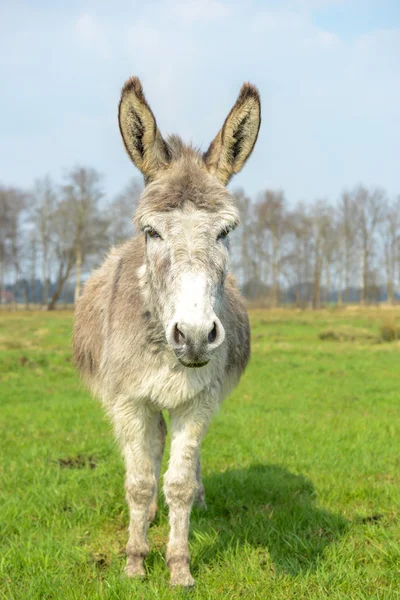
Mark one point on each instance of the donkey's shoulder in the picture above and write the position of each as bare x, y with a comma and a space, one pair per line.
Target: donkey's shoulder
111, 293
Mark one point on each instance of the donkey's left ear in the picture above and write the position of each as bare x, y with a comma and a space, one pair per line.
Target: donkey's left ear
235, 142
142, 138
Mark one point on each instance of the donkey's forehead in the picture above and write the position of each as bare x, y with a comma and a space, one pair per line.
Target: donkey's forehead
186, 189
192, 220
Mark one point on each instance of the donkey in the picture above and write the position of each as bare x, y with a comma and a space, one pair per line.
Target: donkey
161, 324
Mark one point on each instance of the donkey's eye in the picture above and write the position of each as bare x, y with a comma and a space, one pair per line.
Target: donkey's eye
223, 234
152, 233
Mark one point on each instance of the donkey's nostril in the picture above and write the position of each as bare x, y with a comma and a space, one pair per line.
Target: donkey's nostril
195, 340
212, 336
179, 338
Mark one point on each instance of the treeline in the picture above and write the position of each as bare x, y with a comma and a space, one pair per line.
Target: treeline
311, 254
57, 232
319, 252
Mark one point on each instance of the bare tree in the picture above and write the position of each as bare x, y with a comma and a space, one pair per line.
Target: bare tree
12, 207
32, 261
241, 252
120, 212
321, 217
5, 223
347, 242
271, 215
45, 205
329, 249
299, 259
391, 242
82, 193
63, 247
369, 212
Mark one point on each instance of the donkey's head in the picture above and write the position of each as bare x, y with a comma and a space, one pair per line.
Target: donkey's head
186, 214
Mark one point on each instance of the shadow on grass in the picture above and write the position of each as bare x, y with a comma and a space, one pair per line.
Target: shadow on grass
267, 507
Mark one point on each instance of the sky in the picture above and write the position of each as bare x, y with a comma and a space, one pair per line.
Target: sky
328, 72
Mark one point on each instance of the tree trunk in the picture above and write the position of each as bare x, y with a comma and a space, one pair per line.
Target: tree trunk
327, 281
62, 278
78, 266
2, 284
16, 288
275, 272
363, 291
317, 278
365, 285
33, 273
298, 299
347, 264
316, 288
390, 273
24, 293
44, 278
390, 291
33, 289
340, 285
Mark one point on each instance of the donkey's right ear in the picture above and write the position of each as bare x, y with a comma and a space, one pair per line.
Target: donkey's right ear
142, 138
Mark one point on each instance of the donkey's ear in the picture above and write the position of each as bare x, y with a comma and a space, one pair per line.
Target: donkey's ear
142, 138
234, 143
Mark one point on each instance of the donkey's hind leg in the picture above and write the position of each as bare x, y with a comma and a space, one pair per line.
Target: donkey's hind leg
200, 495
156, 453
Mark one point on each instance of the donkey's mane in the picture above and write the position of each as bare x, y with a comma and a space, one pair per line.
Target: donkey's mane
180, 150
185, 181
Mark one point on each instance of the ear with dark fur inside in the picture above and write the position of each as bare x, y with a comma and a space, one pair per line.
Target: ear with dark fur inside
141, 136
235, 142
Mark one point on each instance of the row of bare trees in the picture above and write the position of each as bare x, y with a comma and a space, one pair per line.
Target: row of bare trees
308, 254
319, 252
56, 232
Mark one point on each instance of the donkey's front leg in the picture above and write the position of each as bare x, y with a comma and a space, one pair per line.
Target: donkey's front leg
181, 487
137, 429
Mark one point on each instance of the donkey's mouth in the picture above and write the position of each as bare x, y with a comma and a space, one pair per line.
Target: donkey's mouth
193, 365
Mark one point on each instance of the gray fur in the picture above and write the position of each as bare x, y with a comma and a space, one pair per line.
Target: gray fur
134, 304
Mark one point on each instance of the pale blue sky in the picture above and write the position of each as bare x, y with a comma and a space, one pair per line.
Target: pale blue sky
328, 72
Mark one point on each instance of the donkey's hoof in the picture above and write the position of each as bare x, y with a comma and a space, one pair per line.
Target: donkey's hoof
182, 578
134, 568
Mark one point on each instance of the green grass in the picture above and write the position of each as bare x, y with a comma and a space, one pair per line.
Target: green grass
301, 469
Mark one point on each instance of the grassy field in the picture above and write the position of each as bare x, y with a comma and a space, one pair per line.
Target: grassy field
301, 468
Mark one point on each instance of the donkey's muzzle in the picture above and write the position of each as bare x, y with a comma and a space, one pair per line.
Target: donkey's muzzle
193, 344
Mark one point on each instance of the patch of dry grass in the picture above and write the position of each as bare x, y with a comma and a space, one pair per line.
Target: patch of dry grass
390, 330
346, 333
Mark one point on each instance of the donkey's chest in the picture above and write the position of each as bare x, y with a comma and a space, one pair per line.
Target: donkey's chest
159, 377
168, 387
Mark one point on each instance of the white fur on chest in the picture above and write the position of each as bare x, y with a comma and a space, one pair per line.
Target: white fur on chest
161, 379
171, 387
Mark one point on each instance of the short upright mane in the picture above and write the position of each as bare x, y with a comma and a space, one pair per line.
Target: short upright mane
179, 150
186, 180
